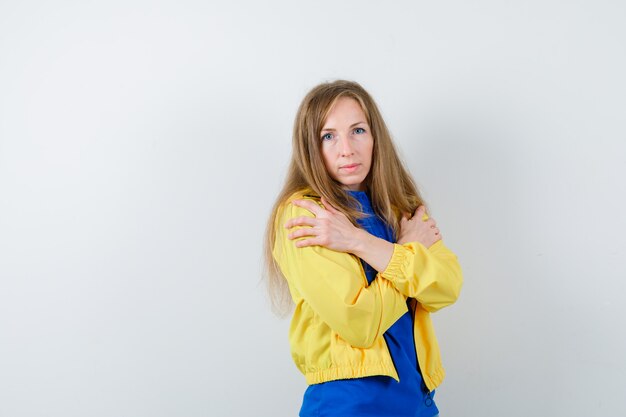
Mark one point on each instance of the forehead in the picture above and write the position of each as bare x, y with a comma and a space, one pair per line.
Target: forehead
345, 110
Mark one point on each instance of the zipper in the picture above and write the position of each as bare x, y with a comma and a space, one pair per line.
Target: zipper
417, 361
363, 274
393, 362
429, 399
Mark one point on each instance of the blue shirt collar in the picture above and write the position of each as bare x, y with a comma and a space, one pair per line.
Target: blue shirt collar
364, 199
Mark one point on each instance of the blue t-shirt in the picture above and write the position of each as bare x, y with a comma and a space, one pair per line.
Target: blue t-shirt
376, 395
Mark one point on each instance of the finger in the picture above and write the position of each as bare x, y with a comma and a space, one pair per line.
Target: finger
309, 205
301, 232
301, 243
305, 242
301, 221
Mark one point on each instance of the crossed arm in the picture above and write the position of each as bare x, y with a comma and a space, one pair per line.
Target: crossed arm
332, 229
317, 251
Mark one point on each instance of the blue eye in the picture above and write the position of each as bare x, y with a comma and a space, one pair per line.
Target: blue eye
327, 136
359, 130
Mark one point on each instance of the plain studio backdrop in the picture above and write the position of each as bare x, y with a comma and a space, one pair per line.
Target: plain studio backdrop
143, 143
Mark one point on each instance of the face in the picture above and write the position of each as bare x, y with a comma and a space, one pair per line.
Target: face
347, 144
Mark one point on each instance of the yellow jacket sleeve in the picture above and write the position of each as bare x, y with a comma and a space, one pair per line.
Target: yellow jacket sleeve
431, 275
335, 286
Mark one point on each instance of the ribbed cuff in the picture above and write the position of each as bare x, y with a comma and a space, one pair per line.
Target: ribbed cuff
397, 262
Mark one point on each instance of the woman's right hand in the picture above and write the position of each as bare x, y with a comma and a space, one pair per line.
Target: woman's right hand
333, 230
415, 229
329, 228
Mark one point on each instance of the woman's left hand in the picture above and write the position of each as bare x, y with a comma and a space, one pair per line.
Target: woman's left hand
329, 228
415, 229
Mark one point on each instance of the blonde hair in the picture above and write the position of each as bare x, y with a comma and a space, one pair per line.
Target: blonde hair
392, 190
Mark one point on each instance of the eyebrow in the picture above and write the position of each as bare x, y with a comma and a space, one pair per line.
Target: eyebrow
351, 126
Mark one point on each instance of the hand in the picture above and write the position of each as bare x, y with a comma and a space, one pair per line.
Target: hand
329, 228
418, 230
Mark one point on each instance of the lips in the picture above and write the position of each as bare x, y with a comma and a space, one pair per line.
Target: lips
349, 169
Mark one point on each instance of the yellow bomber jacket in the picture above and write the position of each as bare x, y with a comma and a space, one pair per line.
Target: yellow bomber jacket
339, 320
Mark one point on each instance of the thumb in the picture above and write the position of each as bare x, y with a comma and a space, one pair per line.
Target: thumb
327, 206
419, 213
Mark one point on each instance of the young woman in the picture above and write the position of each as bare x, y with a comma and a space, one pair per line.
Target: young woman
349, 243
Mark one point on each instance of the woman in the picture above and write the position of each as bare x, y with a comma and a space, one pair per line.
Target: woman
349, 243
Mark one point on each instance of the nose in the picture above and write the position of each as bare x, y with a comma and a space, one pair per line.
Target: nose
345, 146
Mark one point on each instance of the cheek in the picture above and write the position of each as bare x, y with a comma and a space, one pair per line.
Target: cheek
326, 158
370, 150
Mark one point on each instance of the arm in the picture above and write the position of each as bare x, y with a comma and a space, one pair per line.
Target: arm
332, 229
422, 267
334, 285
431, 275
375, 251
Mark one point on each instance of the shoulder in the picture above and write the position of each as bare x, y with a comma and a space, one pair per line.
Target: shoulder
287, 210
303, 194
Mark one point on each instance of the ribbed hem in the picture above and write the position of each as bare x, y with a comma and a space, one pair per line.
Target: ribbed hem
350, 372
434, 378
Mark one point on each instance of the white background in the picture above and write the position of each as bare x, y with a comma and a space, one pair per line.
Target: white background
143, 143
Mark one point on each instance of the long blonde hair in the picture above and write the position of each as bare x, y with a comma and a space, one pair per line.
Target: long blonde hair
392, 190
